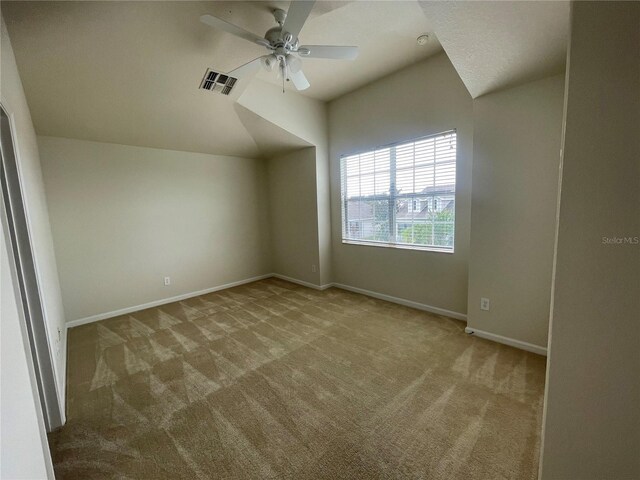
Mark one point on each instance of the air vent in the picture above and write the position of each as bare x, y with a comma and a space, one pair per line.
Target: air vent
218, 82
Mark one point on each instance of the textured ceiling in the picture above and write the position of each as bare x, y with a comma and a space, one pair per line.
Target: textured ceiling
498, 44
128, 72
384, 31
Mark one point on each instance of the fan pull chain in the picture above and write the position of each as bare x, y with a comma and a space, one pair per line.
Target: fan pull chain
283, 71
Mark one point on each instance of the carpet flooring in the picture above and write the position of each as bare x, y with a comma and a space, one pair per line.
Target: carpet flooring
271, 380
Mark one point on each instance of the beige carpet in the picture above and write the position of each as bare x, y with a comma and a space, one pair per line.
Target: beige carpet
273, 380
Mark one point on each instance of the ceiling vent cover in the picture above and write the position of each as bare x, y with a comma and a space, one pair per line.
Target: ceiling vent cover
218, 82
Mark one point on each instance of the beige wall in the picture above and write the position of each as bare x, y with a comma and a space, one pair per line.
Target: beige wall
306, 118
125, 217
423, 99
292, 219
25, 144
516, 157
592, 426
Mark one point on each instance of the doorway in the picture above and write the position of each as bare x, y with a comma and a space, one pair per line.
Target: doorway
19, 240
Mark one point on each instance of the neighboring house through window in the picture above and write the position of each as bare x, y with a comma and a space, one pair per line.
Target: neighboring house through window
414, 205
401, 194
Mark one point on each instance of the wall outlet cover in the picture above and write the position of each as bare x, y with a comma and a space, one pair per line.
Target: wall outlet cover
484, 304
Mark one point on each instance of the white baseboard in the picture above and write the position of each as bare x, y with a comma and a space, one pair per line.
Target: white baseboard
157, 303
402, 301
389, 298
512, 342
302, 282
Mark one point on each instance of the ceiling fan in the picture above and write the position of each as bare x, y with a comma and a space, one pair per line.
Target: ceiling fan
283, 44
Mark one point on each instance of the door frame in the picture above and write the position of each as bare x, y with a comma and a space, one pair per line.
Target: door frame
27, 278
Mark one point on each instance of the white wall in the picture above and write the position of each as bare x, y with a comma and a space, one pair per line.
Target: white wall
592, 421
292, 215
125, 217
15, 104
516, 158
423, 99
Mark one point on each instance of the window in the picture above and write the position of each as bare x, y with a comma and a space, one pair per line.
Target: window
402, 194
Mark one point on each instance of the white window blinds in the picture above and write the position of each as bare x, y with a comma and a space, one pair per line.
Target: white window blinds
402, 194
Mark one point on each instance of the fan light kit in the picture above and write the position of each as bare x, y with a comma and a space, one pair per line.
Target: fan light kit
283, 45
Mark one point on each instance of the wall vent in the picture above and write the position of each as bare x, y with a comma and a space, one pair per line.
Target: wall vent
217, 82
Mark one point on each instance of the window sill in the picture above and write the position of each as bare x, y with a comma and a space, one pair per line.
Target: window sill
398, 246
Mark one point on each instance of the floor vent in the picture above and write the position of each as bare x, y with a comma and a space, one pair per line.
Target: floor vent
218, 82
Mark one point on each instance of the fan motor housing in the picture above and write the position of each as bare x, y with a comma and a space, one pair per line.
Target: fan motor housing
273, 35
288, 41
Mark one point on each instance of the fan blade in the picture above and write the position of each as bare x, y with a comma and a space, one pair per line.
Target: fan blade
216, 22
294, 64
298, 12
299, 80
247, 69
328, 51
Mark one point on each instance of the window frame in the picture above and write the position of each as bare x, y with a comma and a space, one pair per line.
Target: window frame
392, 198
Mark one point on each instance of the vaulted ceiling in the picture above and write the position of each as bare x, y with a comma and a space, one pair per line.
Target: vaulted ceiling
129, 72
497, 44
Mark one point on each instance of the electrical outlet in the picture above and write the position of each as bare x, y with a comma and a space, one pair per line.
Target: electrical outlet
484, 304
167, 281
313, 268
